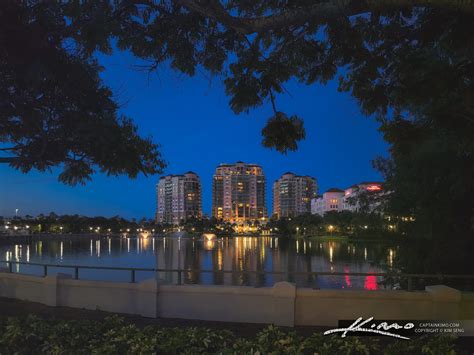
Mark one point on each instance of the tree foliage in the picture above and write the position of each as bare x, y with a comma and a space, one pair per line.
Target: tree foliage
54, 109
409, 63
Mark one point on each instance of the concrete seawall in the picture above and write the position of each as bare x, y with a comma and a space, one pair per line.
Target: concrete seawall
283, 304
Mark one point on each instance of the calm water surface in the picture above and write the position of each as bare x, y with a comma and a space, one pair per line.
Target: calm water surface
241, 255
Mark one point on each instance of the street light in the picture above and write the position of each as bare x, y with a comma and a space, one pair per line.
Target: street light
330, 228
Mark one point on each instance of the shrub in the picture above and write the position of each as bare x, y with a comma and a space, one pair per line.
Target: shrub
33, 335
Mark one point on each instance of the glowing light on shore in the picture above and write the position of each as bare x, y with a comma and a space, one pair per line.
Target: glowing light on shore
209, 236
144, 234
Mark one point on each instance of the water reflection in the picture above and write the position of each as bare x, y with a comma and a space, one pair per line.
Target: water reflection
254, 261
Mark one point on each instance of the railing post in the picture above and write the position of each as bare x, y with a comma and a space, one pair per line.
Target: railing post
76, 273
409, 283
10, 267
257, 279
45, 270
133, 275
315, 282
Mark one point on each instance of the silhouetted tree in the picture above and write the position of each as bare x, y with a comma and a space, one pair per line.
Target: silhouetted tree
409, 63
54, 109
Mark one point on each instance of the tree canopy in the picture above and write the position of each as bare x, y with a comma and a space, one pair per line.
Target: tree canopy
409, 63
54, 109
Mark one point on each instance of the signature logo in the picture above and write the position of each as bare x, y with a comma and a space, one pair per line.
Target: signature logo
361, 325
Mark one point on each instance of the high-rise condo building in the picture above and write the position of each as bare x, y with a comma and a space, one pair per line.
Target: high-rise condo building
292, 195
178, 198
238, 193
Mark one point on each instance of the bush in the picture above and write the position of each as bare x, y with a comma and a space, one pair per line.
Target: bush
32, 335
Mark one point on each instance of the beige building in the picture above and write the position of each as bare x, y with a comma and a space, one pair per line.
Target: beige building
349, 199
331, 200
178, 198
238, 193
292, 195
368, 192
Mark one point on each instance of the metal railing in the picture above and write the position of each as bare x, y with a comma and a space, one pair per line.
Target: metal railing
180, 272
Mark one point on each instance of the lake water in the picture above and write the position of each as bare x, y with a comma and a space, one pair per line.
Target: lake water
240, 255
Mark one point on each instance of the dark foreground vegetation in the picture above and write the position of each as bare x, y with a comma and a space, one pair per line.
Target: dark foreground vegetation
28, 335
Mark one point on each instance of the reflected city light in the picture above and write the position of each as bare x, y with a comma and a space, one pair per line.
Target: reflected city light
370, 282
145, 243
390, 257
346, 277
209, 244
243, 255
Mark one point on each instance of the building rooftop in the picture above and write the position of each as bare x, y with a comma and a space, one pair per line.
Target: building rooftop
177, 175
366, 183
334, 189
239, 162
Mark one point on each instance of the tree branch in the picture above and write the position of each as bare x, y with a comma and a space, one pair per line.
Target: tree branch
320, 12
8, 160
9, 148
272, 99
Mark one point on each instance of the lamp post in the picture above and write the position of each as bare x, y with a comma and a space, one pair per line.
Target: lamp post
331, 228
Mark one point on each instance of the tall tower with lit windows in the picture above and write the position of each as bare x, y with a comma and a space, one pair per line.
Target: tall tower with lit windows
178, 198
238, 193
292, 195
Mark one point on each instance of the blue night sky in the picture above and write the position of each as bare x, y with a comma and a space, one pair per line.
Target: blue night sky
191, 120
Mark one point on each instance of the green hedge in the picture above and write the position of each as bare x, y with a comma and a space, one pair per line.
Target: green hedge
32, 335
